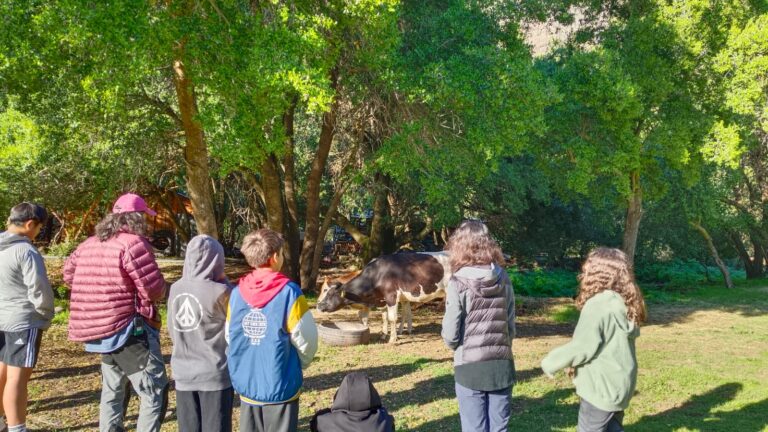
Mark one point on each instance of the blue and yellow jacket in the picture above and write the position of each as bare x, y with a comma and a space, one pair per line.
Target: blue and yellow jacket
272, 336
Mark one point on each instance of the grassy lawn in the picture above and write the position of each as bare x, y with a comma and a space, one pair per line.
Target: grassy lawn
703, 367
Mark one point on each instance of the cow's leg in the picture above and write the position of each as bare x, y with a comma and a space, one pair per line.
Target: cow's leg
363, 315
384, 326
408, 314
392, 317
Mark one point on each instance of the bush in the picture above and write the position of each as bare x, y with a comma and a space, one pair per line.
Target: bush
62, 249
682, 274
544, 283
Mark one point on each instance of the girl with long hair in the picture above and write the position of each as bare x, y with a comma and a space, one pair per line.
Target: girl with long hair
601, 356
479, 325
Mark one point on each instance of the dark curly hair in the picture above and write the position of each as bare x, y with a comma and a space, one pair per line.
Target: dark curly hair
608, 269
472, 244
115, 223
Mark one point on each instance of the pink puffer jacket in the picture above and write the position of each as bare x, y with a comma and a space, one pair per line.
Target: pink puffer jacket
110, 282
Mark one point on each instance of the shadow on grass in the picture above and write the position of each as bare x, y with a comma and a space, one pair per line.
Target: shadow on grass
443, 388
700, 413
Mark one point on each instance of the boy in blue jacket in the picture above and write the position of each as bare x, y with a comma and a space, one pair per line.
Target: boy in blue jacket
272, 337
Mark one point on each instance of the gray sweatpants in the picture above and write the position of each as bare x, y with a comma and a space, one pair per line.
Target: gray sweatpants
593, 419
484, 411
269, 418
149, 383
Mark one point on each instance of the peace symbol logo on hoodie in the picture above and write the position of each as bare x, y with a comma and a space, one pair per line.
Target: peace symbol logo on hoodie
188, 313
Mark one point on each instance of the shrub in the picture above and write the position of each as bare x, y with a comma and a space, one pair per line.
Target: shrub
543, 283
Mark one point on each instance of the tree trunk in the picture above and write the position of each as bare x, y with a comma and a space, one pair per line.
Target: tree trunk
753, 270
330, 216
634, 214
273, 196
293, 251
375, 244
312, 220
195, 151
713, 250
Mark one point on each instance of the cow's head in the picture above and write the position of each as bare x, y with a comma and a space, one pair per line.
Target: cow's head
331, 297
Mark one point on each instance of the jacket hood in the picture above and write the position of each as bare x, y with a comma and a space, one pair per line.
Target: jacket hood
614, 302
261, 285
356, 394
483, 281
8, 239
204, 259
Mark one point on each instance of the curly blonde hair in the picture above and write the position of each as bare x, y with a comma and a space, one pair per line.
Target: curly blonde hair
608, 269
472, 244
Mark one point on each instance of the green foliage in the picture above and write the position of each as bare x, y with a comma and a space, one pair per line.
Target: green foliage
543, 283
682, 274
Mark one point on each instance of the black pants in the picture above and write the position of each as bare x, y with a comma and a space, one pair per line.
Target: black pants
593, 419
269, 418
204, 411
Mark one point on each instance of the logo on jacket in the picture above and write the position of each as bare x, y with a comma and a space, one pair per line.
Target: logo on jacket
255, 326
188, 313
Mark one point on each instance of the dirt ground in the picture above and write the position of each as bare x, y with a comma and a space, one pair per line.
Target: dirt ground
414, 376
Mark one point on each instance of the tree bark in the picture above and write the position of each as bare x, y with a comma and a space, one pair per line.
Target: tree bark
195, 151
312, 219
713, 250
374, 247
634, 214
753, 269
273, 196
330, 215
289, 181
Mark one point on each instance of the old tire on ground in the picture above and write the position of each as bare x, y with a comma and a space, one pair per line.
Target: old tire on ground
344, 333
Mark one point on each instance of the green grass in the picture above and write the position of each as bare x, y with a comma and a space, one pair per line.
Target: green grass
703, 366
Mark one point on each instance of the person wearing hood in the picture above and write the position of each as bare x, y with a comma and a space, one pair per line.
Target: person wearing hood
601, 356
197, 313
479, 325
27, 309
356, 408
272, 337
115, 284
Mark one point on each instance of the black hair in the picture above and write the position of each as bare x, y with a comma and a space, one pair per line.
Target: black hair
26, 211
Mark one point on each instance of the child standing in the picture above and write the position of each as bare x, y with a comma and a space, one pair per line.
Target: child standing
479, 325
197, 313
272, 337
602, 351
26, 300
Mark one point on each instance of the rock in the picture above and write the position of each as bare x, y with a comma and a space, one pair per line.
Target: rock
58, 309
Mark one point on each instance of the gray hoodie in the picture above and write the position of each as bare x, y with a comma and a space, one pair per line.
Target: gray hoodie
197, 313
26, 296
479, 325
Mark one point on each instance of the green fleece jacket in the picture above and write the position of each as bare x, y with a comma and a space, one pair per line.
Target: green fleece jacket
602, 351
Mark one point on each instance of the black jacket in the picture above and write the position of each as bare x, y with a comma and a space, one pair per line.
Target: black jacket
356, 408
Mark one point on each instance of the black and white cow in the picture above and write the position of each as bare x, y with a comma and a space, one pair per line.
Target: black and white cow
390, 280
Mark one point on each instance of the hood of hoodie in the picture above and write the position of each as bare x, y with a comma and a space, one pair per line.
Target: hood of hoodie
356, 394
613, 302
261, 285
483, 281
204, 259
8, 239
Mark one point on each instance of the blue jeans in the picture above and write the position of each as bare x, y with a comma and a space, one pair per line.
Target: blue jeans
484, 411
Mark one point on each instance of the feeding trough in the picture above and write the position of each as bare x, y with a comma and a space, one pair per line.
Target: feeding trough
344, 333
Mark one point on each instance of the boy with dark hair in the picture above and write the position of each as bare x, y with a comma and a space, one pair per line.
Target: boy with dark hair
272, 337
27, 309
